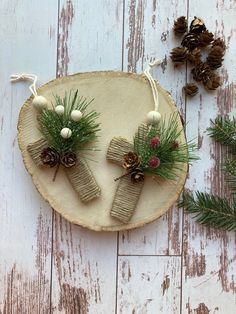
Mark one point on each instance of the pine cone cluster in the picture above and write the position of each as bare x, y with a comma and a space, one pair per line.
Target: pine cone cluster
193, 42
51, 157
132, 164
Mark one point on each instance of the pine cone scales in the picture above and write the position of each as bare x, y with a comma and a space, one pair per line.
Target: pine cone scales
191, 89
68, 159
215, 57
137, 175
50, 157
194, 56
205, 39
190, 41
180, 25
131, 161
197, 25
179, 54
200, 71
219, 42
212, 81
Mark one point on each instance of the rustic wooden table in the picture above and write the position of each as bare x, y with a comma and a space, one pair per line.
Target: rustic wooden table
48, 265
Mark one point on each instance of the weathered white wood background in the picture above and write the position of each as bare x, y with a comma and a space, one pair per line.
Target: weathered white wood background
48, 265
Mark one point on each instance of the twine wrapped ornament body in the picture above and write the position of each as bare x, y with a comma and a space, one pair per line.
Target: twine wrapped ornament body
122, 93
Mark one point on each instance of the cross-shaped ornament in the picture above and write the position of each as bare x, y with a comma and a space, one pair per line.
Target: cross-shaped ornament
128, 191
79, 175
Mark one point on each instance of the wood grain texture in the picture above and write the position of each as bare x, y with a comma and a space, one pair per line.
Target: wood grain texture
26, 224
209, 256
149, 285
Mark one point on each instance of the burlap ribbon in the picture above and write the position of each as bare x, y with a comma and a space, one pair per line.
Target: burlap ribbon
80, 175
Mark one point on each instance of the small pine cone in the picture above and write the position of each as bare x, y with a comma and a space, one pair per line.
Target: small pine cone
194, 56
200, 71
190, 41
180, 25
179, 54
131, 161
211, 81
50, 157
197, 25
205, 39
215, 57
219, 42
191, 89
137, 175
68, 159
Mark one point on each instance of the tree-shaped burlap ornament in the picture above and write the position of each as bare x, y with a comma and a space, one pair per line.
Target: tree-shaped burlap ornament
67, 128
156, 150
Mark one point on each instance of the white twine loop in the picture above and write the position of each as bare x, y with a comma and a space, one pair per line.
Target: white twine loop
24, 77
152, 82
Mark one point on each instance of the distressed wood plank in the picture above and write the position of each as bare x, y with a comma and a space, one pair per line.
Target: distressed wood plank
84, 262
147, 36
149, 284
209, 256
28, 44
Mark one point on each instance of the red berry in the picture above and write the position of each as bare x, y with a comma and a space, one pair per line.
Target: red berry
155, 142
154, 162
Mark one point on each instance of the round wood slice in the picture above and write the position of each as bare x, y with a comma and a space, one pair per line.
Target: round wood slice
123, 99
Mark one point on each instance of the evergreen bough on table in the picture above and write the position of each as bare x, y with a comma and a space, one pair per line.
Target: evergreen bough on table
210, 210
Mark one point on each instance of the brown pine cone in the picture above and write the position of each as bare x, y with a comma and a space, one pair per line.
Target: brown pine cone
137, 175
180, 25
211, 81
215, 57
219, 42
197, 25
191, 89
68, 159
50, 157
200, 71
190, 41
205, 39
179, 54
131, 161
194, 56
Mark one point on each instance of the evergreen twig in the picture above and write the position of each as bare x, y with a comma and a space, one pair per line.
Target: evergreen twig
210, 210
170, 159
83, 132
223, 130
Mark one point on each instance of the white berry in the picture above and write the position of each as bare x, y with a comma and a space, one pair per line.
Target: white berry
60, 110
66, 133
40, 102
76, 115
153, 117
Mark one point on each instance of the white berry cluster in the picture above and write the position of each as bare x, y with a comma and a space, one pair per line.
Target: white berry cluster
76, 116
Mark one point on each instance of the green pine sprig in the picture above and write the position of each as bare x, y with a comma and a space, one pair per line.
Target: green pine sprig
171, 158
83, 132
210, 210
223, 130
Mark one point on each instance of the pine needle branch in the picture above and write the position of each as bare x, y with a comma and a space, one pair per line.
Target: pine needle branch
223, 130
210, 210
83, 132
171, 158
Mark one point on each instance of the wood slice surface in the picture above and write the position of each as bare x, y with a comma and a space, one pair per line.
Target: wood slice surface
123, 100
